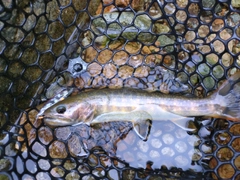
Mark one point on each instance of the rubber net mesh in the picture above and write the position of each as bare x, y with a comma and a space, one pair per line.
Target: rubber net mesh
172, 46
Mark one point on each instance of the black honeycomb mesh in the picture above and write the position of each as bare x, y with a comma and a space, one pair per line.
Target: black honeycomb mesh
152, 44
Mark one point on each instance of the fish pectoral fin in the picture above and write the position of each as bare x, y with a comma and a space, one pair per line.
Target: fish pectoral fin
110, 117
181, 122
141, 120
142, 128
142, 123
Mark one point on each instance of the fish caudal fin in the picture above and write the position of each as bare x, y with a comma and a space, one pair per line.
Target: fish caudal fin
227, 99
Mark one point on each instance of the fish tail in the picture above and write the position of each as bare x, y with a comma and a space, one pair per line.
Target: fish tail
227, 99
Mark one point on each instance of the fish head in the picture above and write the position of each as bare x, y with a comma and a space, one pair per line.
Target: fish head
68, 112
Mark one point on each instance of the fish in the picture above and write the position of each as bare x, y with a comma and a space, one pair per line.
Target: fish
142, 107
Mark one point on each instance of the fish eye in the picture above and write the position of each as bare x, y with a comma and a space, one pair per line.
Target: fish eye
61, 109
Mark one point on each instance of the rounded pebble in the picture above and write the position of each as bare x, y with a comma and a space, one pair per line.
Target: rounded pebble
94, 69
125, 71
57, 150
109, 70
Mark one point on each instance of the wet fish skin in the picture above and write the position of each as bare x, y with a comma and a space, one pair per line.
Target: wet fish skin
134, 105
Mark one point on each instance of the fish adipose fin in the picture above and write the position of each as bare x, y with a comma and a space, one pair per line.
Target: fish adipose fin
141, 121
227, 99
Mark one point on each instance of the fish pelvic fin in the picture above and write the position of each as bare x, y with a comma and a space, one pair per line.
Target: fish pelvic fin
227, 99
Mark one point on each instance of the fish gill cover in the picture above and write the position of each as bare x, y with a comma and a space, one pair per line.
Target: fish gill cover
179, 46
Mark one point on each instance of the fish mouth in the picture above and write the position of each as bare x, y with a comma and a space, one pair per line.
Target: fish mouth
57, 121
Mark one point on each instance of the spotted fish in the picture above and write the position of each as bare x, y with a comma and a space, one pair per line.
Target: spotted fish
141, 107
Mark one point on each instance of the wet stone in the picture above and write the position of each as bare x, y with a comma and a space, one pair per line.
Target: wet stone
131, 82
105, 161
113, 174
9, 150
5, 83
96, 133
222, 138
99, 172
90, 143
57, 172
152, 78
5, 164
42, 176
79, 83
204, 132
88, 177
92, 160
89, 54
135, 61
118, 164
120, 58
226, 171
74, 146
72, 175
31, 166
70, 164
125, 71
44, 164
116, 83
235, 129
109, 70
225, 154
133, 47
237, 162
45, 135
94, 69
39, 149
206, 149
142, 71
82, 131
104, 56
57, 150
62, 133
235, 144
20, 165
128, 174
83, 169
164, 88
99, 81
